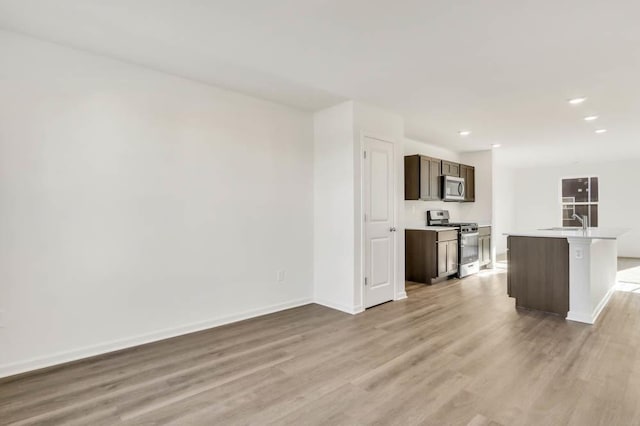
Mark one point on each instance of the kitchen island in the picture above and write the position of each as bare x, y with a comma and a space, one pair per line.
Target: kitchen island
566, 271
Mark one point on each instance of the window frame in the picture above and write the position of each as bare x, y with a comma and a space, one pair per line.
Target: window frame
579, 203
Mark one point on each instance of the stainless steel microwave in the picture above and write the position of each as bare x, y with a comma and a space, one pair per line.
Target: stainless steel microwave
452, 188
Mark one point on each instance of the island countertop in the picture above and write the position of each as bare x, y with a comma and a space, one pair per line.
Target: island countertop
589, 234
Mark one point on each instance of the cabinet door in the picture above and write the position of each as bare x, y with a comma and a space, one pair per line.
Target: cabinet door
472, 184
450, 169
469, 182
452, 256
444, 168
425, 178
509, 263
486, 248
442, 258
412, 177
434, 179
463, 175
430, 179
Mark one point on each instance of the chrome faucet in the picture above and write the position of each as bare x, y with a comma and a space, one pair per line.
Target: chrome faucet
584, 221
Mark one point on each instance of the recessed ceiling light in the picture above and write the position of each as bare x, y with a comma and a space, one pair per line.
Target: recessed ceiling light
590, 117
496, 145
464, 132
601, 131
576, 101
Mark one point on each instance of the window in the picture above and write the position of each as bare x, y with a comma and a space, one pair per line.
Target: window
580, 196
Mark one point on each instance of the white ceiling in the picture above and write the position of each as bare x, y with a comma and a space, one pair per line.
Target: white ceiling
501, 68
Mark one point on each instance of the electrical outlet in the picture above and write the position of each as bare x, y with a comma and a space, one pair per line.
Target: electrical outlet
281, 275
579, 253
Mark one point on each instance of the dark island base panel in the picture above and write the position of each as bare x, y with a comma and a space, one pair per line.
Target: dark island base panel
538, 273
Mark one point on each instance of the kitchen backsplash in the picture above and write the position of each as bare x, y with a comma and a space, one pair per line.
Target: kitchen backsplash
415, 212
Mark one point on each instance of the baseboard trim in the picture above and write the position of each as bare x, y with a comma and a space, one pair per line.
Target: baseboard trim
339, 307
116, 345
579, 317
358, 309
603, 303
591, 318
400, 296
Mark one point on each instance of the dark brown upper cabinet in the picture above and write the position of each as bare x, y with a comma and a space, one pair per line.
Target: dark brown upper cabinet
450, 169
422, 178
469, 175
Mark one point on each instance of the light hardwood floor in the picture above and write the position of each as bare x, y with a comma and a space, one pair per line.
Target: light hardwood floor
452, 353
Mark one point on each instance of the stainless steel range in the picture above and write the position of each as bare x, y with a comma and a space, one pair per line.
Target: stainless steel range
468, 262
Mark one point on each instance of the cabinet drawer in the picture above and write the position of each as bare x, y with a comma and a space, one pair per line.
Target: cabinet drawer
447, 235
484, 230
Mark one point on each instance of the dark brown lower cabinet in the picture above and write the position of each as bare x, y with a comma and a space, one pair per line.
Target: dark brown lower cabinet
430, 256
538, 273
484, 245
447, 257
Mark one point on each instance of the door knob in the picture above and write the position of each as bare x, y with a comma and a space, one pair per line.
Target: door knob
392, 230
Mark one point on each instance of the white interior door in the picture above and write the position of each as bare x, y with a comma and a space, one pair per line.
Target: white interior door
379, 224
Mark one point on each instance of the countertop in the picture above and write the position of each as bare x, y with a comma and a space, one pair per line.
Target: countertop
430, 228
440, 228
589, 234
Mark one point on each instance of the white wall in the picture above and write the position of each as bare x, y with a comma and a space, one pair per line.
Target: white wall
338, 271
537, 192
481, 210
602, 270
504, 205
334, 207
378, 123
415, 211
137, 205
